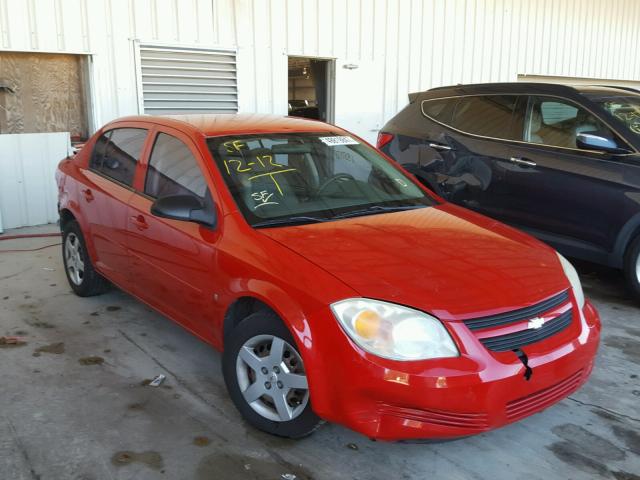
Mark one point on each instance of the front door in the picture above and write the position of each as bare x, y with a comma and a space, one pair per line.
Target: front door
563, 194
173, 262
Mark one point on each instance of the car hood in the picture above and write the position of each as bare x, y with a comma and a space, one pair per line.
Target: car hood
445, 260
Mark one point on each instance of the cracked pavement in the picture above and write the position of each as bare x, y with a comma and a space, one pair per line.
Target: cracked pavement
83, 412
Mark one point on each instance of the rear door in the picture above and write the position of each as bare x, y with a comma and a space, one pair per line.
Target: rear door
574, 198
173, 262
105, 195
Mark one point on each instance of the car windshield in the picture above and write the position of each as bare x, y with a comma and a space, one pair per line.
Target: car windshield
625, 108
292, 178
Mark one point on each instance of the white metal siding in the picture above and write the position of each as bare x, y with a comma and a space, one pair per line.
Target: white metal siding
28, 193
187, 80
408, 45
399, 46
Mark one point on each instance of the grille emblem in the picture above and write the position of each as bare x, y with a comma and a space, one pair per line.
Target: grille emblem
535, 323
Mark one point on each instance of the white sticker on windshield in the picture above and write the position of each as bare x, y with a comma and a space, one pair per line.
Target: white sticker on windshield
333, 141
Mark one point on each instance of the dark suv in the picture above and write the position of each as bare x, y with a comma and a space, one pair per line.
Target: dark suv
558, 161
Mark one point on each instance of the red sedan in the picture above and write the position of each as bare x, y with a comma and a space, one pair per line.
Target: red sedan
338, 287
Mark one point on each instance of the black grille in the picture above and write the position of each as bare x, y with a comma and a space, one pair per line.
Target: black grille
517, 315
511, 341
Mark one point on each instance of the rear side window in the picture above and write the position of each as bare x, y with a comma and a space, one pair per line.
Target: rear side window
117, 153
173, 170
489, 116
439, 109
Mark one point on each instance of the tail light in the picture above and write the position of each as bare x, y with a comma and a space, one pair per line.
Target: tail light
383, 139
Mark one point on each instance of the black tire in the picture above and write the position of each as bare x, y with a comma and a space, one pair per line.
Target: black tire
632, 267
269, 324
89, 282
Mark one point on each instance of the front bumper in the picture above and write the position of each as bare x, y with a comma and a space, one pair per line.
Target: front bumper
453, 397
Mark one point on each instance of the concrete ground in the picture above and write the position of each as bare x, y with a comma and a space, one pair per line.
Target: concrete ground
73, 404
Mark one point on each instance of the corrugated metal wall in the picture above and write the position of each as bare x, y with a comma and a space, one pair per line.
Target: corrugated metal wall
399, 45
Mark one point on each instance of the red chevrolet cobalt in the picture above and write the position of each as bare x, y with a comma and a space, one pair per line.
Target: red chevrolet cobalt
337, 286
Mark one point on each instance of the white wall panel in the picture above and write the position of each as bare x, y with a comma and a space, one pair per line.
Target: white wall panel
417, 44
28, 194
399, 45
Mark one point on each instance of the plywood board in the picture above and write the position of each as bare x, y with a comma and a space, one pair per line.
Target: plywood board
47, 94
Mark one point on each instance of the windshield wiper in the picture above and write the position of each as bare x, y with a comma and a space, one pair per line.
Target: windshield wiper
288, 221
374, 209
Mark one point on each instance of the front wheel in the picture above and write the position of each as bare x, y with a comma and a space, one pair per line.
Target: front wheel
266, 377
632, 267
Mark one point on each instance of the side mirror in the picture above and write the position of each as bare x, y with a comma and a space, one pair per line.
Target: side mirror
598, 141
185, 207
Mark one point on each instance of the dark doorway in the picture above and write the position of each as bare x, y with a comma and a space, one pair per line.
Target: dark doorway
311, 88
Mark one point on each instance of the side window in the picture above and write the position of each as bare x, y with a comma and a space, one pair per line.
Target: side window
489, 116
439, 109
98, 151
117, 152
556, 122
173, 170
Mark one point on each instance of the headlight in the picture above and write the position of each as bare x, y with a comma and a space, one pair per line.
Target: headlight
393, 331
574, 280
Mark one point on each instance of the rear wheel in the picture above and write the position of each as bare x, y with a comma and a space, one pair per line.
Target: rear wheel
632, 267
82, 277
266, 377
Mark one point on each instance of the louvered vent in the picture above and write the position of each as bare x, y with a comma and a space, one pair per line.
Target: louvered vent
184, 80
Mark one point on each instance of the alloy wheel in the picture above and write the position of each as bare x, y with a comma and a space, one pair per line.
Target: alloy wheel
271, 377
73, 258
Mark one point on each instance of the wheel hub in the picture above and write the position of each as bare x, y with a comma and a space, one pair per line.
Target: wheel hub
271, 378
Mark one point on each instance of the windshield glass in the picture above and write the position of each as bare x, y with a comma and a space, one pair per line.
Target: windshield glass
625, 108
279, 179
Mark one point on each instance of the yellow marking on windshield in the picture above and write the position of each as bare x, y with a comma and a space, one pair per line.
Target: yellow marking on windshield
271, 175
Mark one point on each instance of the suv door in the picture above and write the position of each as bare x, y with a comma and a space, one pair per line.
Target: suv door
173, 261
105, 195
571, 197
467, 142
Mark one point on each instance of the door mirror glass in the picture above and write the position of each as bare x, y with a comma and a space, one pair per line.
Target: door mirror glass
597, 140
187, 208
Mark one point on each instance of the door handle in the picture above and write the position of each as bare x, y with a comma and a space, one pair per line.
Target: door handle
139, 222
88, 195
523, 162
439, 146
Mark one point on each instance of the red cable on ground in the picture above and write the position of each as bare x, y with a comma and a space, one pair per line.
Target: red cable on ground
29, 235
31, 249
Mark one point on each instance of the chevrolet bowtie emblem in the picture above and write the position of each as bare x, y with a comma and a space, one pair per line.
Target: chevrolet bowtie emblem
535, 323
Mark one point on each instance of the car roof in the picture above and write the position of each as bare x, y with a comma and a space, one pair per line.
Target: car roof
210, 124
521, 88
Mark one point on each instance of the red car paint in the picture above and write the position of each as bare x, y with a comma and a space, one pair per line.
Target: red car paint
444, 260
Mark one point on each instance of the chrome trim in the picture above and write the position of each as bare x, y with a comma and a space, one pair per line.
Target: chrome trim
522, 161
438, 146
631, 147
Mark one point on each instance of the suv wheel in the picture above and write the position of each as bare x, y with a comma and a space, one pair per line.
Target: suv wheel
82, 277
266, 378
632, 267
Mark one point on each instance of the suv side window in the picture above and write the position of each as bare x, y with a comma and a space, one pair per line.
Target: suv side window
439, 109
488, 116
557, 122
173, 170
117, 153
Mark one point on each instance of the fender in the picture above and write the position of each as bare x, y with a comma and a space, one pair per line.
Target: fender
627, 233
68, 200
301, 324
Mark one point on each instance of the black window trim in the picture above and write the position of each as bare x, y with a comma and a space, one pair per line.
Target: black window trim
104, 175
633, 151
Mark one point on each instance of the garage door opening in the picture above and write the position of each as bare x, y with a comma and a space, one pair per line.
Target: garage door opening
311, 88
